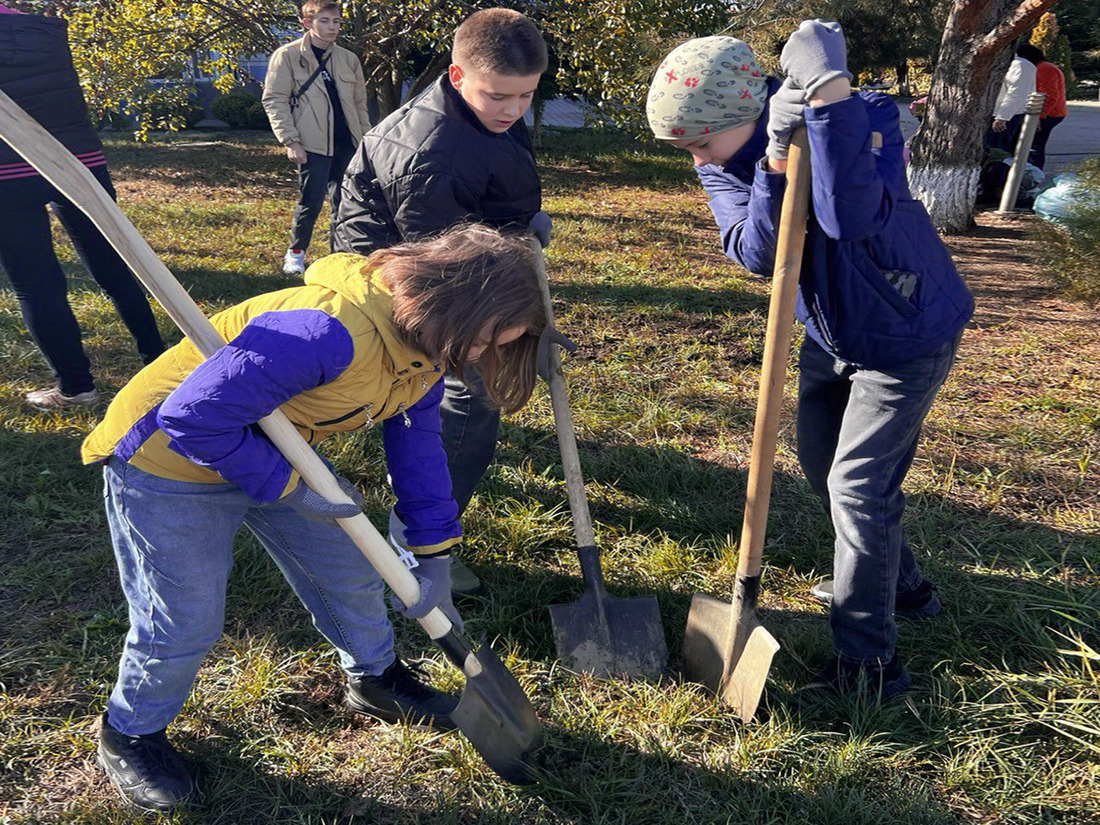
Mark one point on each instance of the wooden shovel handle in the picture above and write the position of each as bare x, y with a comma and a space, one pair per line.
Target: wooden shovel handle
567, 442
777, 348
73, 180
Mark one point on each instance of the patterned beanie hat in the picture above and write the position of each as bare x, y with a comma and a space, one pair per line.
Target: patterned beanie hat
704, 86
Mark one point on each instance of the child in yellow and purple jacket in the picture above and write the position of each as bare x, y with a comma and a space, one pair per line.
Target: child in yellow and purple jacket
364, 342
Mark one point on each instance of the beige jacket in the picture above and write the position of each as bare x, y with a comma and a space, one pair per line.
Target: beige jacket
311, 122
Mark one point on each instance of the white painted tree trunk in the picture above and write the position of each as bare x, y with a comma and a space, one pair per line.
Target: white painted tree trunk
947, 151
948, 193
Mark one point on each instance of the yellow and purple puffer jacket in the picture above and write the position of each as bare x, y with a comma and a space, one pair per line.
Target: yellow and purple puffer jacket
327, 355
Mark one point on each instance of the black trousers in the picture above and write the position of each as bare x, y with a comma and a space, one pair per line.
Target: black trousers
1038, 156
27, 255
318, 176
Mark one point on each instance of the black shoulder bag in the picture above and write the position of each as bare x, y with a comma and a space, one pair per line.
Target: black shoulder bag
297, 96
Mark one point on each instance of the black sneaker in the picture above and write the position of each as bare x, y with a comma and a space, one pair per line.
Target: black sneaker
884, 681
918, 603
147, 771
398, 695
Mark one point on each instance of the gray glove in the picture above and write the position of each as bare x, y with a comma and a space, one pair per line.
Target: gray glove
433, 573
539, 226
814, 55
551, 337
318, 508
785, 114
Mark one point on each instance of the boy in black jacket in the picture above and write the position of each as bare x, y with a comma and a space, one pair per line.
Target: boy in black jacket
458, 152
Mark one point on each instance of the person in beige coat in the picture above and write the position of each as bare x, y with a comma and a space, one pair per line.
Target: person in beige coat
316, 99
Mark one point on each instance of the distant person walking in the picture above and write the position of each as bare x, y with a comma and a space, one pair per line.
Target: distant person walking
1008, 113
36, 71
1050, 81
316, 99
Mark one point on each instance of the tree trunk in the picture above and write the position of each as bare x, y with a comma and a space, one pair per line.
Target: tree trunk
947, 151
902, 71
538, 109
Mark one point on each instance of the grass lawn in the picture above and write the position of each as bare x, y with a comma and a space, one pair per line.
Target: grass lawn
1002, 724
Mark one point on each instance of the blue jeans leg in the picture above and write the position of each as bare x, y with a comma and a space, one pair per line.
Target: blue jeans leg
338, 586
174, 546
857, 434
470, 427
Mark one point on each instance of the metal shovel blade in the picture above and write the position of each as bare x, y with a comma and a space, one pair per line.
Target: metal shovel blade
734, 665
609, 636
497, 717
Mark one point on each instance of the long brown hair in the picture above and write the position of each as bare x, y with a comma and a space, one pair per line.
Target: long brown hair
447, 290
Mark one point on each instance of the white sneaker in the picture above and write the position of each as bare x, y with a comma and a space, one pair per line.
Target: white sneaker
53, 397
294, 262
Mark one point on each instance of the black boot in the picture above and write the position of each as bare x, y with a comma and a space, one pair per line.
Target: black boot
148, 772
398, 695
882, 680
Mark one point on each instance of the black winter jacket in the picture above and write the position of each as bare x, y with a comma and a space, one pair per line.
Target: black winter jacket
36, 71
430, 165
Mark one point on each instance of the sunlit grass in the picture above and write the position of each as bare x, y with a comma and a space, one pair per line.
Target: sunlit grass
1001, 725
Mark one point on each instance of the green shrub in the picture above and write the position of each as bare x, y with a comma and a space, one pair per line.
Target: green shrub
239, 111
1070, 251
256, 117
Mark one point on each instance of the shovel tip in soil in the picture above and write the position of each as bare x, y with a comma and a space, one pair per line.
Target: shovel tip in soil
611, 637
732, 666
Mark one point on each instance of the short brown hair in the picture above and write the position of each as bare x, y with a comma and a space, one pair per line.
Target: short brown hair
501, 41
315, 7
448, 289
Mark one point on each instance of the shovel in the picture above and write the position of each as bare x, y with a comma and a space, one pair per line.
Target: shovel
493, 711
597, 634
726, 648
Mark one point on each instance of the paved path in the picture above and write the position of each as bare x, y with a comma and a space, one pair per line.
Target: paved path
1075, 138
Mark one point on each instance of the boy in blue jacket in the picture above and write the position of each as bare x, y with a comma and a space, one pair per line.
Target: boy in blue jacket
881, 300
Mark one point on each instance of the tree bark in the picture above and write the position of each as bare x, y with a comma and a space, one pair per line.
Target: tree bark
947, 151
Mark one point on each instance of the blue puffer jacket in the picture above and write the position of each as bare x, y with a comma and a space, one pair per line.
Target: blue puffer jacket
878, 287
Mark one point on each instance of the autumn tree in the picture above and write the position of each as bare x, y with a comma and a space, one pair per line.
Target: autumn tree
947, 150
889, 35
136, 56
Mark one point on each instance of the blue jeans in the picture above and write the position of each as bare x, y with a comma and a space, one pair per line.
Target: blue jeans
173, 543
471, 424
857, 434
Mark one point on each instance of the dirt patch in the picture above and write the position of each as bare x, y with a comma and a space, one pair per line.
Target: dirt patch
997, 259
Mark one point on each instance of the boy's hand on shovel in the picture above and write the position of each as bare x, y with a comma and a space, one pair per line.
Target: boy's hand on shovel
786, 112
433, 573
815, 54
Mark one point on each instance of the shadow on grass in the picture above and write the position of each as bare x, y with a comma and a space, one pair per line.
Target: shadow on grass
583, 779
61, 605
245, 162
683, 299
204, 284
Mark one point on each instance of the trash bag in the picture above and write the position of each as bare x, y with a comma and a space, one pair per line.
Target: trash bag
1056, 202
994, 175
